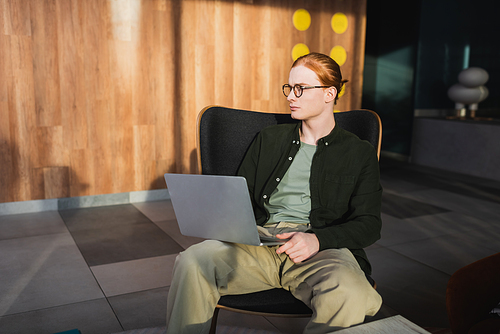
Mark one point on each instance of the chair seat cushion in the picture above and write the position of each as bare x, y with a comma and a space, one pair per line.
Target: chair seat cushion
277, 301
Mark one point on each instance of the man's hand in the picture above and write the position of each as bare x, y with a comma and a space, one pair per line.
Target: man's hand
300, 247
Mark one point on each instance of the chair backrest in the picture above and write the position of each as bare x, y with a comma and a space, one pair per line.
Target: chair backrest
224, 134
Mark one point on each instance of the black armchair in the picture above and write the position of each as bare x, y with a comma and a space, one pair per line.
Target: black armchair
224, 135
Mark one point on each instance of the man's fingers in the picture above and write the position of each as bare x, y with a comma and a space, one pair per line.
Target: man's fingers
288, 245
285, 235
295, 256
284, 247
300, 247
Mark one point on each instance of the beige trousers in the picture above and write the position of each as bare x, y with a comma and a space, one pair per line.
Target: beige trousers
331, 283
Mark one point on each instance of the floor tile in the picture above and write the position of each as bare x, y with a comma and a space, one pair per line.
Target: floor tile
467, 185
41, 272
132, 276
401, 207
487, 238
289, 325
399, 186
415, 290
384, 312
84, 219
148, 330
373, 246
124, 243
297, 325
90, 317
446, 253
236, 330
450, 223
141, 309
157, 211
398, 231
481, 209
235, 319
117, 233
172, 229
31, 224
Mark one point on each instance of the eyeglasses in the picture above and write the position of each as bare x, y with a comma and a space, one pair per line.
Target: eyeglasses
297, 89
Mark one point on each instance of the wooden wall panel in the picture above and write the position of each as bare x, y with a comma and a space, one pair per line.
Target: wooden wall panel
18, 71
50, 182
7, 146
71, 57
101, 96
82, 174
16, 17
45, 62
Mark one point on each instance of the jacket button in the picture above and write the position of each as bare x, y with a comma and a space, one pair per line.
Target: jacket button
278, 179
290, 158
265, 196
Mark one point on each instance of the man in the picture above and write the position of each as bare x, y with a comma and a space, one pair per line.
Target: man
312, 183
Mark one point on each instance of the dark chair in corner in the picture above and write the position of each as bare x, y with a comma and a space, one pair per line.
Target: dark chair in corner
224, 135
472, 292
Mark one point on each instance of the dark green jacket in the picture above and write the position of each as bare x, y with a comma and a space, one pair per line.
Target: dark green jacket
344, 183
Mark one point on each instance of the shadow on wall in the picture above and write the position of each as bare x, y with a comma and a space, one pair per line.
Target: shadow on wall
9, 180
20, 182
159, 182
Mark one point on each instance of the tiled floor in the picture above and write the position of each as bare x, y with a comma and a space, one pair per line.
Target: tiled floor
107, 269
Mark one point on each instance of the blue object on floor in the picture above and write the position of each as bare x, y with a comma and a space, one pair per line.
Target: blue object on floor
71, 331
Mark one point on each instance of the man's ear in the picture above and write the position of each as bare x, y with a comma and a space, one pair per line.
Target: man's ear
331, 94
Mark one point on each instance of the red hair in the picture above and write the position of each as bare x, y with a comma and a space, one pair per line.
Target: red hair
327, 70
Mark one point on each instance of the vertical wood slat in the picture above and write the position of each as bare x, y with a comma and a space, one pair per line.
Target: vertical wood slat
164, 82
223, 60
15, 15
82, 172
102, 96
50, 182
48, 147
20, 103
71, 56
7, 146
55, 182
358, 54
44, 32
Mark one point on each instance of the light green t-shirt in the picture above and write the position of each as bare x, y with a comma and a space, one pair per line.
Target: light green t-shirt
291, 201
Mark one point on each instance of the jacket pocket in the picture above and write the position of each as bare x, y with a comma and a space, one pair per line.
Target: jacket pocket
337, 190
340, 179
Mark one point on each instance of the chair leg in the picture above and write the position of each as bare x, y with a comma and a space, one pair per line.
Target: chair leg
213, 326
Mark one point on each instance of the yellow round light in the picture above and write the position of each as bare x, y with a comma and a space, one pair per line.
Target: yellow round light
339, 23
301, 19
299, 50
339, 54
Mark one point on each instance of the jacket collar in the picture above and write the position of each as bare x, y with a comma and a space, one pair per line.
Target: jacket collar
326, 140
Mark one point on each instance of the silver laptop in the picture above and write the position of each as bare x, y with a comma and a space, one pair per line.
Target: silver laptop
215, 207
